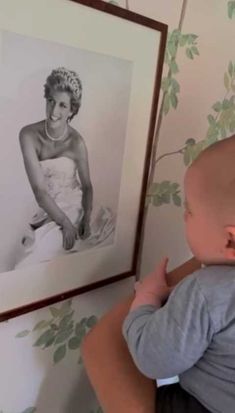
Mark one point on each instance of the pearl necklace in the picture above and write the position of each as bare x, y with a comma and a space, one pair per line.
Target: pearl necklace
60, 138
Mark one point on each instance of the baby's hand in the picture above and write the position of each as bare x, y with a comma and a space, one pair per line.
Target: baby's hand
153, 289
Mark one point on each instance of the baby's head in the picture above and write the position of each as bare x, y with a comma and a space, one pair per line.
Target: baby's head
210, 204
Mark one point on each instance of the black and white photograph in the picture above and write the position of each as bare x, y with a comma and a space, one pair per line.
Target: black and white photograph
63, 114
77, 114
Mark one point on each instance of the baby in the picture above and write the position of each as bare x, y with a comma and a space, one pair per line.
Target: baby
192, 335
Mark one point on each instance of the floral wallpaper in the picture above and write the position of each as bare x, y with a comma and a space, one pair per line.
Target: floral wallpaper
61, 331
47, 346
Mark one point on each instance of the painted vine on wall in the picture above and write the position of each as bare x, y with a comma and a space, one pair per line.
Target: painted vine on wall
221, 123
60, 331
231, 9
166, 192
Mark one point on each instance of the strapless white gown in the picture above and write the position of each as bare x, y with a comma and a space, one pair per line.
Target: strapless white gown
44, 242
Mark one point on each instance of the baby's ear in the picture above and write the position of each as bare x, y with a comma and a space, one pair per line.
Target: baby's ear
229, 250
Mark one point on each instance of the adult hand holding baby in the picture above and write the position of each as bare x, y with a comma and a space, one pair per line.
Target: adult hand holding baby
153, 290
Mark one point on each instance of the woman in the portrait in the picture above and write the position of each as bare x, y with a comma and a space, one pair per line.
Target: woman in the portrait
56, 163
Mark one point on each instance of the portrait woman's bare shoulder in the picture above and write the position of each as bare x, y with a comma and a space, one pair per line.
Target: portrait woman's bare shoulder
30, 136
77, 145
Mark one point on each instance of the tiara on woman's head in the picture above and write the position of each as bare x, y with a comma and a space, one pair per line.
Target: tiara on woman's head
70, 78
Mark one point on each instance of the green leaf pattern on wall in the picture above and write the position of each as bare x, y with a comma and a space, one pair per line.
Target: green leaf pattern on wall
163, 193
221, 123
231, 9
170, 85
61, 331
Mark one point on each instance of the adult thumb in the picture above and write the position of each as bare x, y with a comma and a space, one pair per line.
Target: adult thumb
162, 267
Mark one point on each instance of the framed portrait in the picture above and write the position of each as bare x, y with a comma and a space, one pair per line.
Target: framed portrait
80, 82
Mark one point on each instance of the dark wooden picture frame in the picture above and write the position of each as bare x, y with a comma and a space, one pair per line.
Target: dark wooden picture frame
151, 38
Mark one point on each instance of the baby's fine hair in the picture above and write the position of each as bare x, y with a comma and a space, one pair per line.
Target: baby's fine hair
65, 80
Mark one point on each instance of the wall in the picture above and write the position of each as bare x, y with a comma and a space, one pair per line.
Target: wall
198, 108
40, 351
41, 369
